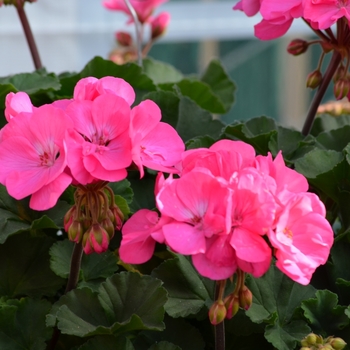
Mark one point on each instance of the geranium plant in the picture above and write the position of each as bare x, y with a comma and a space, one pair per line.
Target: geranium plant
132, 219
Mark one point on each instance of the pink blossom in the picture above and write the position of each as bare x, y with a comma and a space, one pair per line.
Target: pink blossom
302, 237
143, 8
33, 156
249, 7
89, 88
155, 145
16, 103
99, 146
159, 24
326, 13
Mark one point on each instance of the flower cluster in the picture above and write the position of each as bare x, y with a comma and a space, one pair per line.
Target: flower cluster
320, 15
87, 141
127, 51
230, 209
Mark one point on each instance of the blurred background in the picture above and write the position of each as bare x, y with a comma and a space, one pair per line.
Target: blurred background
71, 32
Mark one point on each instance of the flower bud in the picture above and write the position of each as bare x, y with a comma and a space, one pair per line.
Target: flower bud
245, 298
341, 88
123, 38
96, 239
232, 305
117, 217
75, 231
311, 339
337, 343
217, 312
68, 218
314, 79
297, 47
107, 224
159, 24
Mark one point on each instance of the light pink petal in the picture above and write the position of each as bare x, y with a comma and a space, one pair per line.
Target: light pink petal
16, 103
184, 238
47, 196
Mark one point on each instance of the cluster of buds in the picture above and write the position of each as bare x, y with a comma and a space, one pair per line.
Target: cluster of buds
93, 218
316, 342
228, 307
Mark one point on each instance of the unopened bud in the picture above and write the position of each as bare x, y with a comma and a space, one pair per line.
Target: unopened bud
311, 339
96, 239
123, 38
159, 24
75, 231
338, 343
217, 312
232, 305
107, 224
339, 73
245, 298
117, 217
297, 47
68, 218
341, 88
314, 79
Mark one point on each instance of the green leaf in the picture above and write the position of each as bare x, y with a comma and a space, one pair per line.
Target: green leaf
275, 300
31, 83
199, 142
161, 72
25, 267
16, 216
328, 122
187, 293
22, 324
200, 93
125, 302
123, 189
324, 314
164, 345
107, 343
93, 266
326, 170
257, 132
335, 140
220, 83
168, 102
194, 121
177, 331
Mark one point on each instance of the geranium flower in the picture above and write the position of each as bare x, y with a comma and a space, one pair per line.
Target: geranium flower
33, 156
99, 146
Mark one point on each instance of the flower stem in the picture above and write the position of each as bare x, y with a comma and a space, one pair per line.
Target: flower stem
75, 263
332, 67
138, 31
219, 329
29, 35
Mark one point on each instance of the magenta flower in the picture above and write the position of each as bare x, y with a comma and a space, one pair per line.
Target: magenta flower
99, 146
249, 7
16, 103
155, 145
159, 24
303, 237
89, 88
33, 156
143, 8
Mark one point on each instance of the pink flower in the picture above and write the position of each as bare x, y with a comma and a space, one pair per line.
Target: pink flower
325, 13
89, 88
143, 8
159, 24
302, 238
249, 7
155, 145
33, 156
16, 103
99, 147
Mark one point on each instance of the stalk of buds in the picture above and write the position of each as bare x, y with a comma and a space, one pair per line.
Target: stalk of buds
94, 218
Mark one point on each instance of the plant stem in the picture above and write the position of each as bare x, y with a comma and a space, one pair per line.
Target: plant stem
332, 67
75, 263
29, 35
138, 31
219, 329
